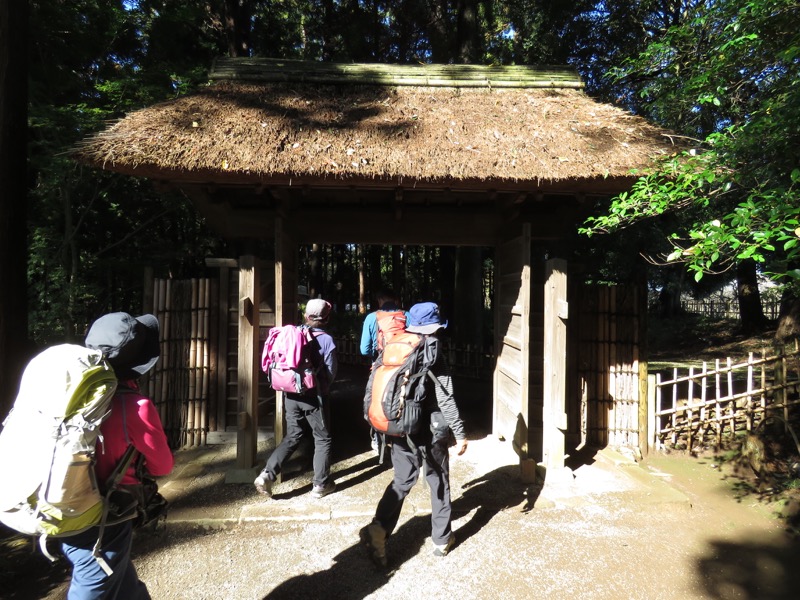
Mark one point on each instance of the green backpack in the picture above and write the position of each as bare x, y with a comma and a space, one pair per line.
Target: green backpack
47, 446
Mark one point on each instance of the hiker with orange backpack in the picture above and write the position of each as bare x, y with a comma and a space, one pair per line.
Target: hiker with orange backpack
390, 315
379, 326
413, 405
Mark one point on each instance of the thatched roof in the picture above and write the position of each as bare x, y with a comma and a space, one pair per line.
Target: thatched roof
264, 120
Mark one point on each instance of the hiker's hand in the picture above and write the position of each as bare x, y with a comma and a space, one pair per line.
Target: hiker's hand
462, 446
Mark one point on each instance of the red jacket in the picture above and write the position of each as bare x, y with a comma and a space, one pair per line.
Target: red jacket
133, 420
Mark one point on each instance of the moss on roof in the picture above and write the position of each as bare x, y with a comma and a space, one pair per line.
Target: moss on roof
248, 123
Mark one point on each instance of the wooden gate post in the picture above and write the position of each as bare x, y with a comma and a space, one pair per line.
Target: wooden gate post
554, 415
247, 417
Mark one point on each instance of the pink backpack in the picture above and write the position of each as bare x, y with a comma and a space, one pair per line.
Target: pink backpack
286, 359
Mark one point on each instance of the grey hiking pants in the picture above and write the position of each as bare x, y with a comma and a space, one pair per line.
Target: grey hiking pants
435, 459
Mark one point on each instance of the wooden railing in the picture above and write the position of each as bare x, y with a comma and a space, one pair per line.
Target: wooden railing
711, 404
727, 308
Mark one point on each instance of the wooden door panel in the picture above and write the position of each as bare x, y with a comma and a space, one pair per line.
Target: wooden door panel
512, 337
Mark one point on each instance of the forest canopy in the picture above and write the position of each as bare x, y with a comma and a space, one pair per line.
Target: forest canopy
722, 74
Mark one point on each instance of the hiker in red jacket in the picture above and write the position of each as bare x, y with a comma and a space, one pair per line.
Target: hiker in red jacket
131, 347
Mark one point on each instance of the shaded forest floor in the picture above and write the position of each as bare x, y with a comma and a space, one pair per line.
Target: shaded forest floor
763, 468
694, 338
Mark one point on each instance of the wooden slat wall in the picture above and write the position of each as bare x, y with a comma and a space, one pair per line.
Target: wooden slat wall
194, 384
512, 342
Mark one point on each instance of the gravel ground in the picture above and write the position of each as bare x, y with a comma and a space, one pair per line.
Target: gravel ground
605, 529
608, 529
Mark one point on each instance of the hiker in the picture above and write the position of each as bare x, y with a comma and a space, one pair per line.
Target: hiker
429, 449
311, 409
387, 301
131, 347
370, 346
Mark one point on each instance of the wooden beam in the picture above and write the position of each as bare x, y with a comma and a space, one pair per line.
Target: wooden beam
428, 75
222, 263
398, 204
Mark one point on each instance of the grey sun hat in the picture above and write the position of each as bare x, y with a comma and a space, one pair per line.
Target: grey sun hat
130, 344
318, 309
424, 318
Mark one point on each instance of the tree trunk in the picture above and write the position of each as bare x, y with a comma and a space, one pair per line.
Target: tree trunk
789, 318
751, 312
315, 275
467, 31
376, 282
14, 347
362, 281
69, 262
439, 32
447, 280
339, 278
669, 298
329, 20
398, 275
238, 15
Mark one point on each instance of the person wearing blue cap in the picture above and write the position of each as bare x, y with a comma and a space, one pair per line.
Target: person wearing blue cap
429, 450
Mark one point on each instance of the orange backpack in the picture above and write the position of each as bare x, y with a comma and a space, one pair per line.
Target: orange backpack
393, 403
389, 324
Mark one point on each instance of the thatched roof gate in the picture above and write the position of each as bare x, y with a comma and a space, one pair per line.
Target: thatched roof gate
425, 154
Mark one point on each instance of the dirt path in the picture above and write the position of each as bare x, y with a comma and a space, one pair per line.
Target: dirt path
740, 548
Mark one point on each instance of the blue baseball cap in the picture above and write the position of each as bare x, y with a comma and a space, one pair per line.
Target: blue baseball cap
424, 318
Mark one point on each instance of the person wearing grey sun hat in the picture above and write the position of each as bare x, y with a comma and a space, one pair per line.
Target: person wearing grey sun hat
130, 345
309, 412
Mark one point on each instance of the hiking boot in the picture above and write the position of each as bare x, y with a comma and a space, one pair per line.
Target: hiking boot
444, 549
318, 491
374, 537
264, 484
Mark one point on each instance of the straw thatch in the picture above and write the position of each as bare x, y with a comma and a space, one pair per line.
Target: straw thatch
262, 120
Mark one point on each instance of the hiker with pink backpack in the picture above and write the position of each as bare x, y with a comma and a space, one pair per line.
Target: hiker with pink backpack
301, 362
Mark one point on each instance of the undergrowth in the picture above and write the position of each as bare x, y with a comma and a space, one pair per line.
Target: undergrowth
764, 464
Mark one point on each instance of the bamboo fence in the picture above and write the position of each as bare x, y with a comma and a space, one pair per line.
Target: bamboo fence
180, 383
702, 406
609, 349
